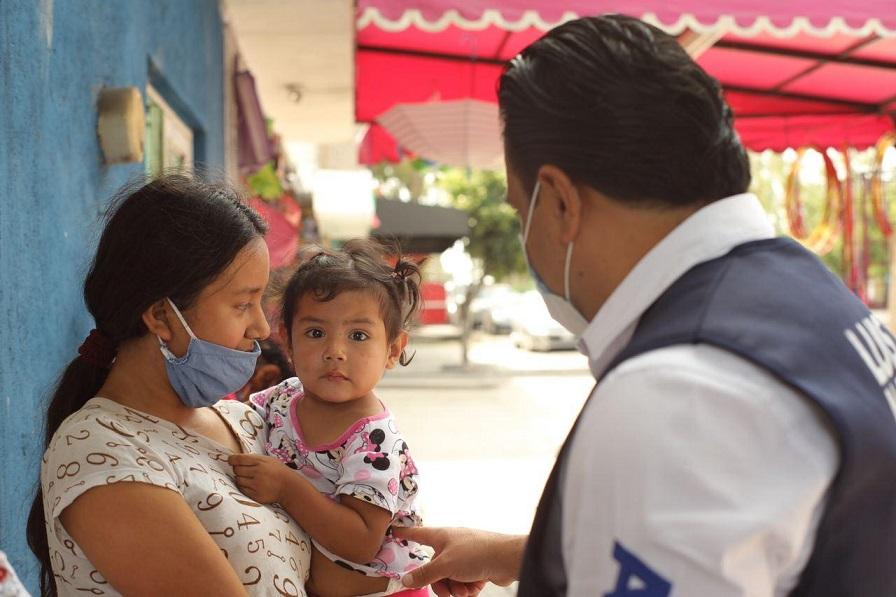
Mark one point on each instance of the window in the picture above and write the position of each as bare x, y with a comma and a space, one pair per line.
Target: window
169, 141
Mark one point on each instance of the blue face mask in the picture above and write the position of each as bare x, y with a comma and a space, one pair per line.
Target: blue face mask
207, 372
560, 307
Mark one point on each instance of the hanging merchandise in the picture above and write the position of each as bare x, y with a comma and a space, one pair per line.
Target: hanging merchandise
283, 218
821, 238
878, 201
848, 219
850, 257
863, 204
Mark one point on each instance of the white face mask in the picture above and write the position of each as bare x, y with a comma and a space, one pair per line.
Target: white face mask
560, 307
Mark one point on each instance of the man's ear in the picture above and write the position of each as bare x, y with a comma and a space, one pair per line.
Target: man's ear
396, 347
155, 318
562, 194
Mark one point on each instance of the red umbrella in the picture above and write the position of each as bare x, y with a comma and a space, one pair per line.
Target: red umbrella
463, 132
801, 72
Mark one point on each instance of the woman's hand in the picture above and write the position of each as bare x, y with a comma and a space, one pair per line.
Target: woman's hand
464, 560
261, 478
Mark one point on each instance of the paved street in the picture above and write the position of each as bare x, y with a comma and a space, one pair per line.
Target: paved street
484, 437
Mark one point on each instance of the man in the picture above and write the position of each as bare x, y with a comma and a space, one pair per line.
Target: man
739, 440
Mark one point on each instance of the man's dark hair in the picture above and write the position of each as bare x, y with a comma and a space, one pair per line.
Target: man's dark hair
619, 105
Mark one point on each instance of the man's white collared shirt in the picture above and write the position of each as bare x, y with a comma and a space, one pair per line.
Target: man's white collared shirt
700, 466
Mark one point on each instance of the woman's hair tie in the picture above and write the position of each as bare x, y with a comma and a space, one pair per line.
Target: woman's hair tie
98, 349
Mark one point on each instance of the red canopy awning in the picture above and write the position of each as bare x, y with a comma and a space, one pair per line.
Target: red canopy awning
800, 72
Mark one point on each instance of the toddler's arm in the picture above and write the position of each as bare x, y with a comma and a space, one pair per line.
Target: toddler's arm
349, 528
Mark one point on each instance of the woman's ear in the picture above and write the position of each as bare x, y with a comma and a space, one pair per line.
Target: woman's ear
396, 347
155, 318
563, 195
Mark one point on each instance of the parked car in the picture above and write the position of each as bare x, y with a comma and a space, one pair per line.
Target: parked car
498, 319
535, 329
491, 310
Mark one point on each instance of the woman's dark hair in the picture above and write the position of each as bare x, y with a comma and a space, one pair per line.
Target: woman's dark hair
170, 237
618, 105
272, 353
360, 265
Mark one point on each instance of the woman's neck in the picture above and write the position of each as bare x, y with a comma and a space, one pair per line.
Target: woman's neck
138, 379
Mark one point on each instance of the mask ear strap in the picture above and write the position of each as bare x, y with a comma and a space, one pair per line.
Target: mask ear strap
566, 272
532, 202
181, 318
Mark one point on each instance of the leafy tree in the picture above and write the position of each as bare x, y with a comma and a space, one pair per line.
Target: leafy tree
493, 242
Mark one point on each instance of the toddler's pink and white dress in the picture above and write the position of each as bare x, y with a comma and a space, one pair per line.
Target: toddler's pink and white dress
370, 461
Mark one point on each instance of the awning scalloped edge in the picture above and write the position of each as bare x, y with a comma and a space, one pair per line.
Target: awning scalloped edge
531, 18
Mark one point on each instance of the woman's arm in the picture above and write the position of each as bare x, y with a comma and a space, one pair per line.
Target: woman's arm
350, 528
145, 540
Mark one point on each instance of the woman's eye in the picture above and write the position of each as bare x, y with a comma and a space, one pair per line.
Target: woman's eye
314, 333
359, 336
243, 306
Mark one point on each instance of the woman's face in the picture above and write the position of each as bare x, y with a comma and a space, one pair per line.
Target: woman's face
228, 311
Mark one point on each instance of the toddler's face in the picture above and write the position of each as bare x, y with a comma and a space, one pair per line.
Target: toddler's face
340, 347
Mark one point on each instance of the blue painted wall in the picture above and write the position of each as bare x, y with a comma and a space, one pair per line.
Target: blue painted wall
54, 59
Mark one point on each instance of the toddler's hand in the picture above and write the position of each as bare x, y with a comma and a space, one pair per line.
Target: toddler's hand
260, 477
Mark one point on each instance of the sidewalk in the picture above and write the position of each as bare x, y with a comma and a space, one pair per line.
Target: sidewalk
471, 428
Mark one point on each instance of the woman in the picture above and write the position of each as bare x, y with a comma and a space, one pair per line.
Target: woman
136, 494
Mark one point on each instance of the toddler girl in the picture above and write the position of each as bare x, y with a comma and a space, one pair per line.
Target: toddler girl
349, 476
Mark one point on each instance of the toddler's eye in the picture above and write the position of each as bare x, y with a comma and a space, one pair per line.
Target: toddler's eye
243, 307
314, 333
359, 336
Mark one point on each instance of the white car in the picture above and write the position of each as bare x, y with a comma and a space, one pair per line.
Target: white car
535, 329
488, 311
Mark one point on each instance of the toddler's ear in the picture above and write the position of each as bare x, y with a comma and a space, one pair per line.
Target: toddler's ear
396, 347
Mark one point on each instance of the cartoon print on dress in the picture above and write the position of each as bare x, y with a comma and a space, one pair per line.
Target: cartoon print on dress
371, 441
369, 494
356, 467
408, 469
372, 445
409, 484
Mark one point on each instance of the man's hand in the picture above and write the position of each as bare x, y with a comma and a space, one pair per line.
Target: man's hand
464, 560
261, 478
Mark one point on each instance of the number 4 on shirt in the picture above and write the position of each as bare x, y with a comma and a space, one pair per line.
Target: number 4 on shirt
636, 579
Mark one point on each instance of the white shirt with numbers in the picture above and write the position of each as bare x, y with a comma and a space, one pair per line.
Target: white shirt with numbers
104, 443
693, 472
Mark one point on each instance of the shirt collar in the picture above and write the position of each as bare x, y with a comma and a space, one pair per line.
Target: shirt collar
709, 233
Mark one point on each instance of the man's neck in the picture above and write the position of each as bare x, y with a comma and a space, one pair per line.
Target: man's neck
614, 237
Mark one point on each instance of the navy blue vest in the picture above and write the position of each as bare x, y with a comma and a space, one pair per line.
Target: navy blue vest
773, 303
